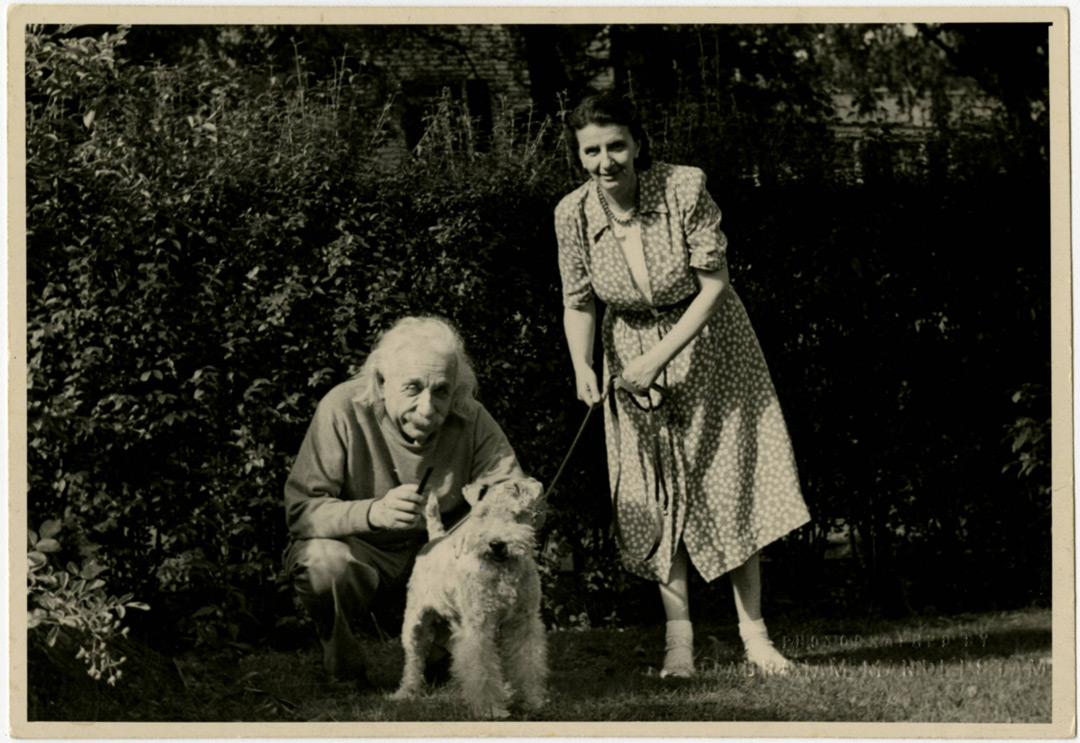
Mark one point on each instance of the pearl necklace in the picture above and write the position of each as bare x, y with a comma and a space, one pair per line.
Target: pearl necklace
632, 214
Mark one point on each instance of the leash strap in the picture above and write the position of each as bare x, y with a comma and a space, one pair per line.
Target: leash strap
577, 438
608, 391
658, 501
656, 531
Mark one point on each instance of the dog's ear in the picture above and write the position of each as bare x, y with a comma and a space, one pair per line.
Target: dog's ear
530, 489
473, 492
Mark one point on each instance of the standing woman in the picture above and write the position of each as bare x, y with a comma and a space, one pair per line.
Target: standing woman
699, 458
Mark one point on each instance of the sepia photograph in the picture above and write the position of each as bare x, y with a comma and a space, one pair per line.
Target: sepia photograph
529, 372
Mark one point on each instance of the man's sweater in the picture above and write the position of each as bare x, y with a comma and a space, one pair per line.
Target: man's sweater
353, 454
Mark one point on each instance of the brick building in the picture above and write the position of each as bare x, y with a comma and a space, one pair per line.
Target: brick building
482, 66
486, 67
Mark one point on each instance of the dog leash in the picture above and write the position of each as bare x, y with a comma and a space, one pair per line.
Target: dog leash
609, 388
658, 520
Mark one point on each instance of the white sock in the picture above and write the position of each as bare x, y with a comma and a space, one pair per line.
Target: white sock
755, 628
679, 649
759, 648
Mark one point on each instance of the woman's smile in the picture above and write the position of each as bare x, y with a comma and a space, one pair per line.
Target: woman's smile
607, 152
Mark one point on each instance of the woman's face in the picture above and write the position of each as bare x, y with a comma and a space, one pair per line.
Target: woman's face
607, 152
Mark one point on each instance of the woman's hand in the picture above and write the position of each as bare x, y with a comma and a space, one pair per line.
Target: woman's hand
588, 389
638, 375
580, 325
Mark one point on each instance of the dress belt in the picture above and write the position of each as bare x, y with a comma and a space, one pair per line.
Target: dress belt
654, 312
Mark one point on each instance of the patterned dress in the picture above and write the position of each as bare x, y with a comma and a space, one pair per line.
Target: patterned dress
717, 450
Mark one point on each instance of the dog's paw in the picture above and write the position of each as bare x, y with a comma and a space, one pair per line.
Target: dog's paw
534, 702
402, 694
489, 711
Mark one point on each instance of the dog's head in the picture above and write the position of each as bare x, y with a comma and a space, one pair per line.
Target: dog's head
520, 494
501, 521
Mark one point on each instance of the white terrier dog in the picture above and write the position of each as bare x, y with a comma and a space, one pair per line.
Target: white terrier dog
481, 578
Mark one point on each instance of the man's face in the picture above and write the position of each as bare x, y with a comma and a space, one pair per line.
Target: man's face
417, 387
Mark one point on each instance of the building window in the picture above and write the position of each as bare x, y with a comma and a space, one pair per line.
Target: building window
421, 100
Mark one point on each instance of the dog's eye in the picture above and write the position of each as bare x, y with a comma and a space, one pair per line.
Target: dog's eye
482, 493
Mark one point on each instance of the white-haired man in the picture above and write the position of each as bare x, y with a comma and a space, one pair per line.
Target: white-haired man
352, 502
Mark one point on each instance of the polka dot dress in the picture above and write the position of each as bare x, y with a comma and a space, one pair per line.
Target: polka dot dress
717, 450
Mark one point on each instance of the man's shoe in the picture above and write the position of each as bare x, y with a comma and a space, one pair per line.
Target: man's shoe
345, 666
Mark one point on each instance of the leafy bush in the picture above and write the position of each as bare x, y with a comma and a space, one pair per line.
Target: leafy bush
73, 601
1029, 438
206, 264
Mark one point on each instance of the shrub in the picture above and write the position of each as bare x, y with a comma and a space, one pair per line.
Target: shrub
207, 262
72, 601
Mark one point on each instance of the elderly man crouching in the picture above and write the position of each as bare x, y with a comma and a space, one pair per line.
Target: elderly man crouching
352, 502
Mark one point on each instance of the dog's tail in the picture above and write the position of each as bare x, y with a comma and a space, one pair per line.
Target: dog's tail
433, 517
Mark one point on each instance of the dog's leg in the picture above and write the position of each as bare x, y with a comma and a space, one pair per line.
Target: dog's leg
416, 639
523, 648
477, 668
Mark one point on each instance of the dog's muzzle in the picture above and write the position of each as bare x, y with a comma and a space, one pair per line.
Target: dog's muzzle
498, 550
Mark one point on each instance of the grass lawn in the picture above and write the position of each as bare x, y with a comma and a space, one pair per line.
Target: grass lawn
970, 668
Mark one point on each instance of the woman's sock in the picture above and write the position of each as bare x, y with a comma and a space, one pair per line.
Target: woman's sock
679, 650
759, 648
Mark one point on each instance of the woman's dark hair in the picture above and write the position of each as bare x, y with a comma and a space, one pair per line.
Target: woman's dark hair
608, 108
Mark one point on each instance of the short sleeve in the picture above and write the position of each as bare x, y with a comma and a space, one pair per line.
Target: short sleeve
707, 242
576, 285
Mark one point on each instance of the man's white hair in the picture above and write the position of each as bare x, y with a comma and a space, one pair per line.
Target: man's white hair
408, 333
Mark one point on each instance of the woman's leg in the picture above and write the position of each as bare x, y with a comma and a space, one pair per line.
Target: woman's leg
746, 582
675, 595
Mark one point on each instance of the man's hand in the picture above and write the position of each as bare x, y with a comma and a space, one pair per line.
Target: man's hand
400, 508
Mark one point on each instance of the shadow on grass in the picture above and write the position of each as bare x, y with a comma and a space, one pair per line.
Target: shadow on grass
1007, 644
924, 669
